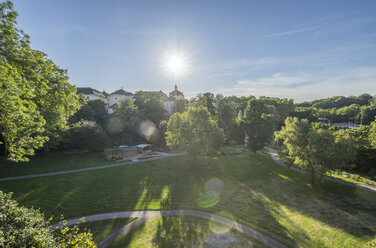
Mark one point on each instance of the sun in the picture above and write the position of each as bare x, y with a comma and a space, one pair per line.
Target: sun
175, 64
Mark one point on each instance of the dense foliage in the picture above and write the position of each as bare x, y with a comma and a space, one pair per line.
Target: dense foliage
195, 131
257, 124
315, 148
23, 227
36, 97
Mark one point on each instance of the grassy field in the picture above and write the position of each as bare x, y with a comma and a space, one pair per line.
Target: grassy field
54, 162
254, 190
182, 231
101, 229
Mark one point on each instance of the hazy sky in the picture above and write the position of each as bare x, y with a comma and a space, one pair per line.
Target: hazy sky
297, 49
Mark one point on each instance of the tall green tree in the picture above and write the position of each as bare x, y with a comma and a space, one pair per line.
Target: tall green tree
21, 124
257, 124
39, 83
122, 124
314, 148
205, 100
151, 106
195, 131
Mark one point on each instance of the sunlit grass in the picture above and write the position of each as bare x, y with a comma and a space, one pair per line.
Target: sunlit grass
181, 231
101, 229
257, 192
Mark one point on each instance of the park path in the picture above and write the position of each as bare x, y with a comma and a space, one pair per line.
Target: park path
274, 155
146, 215
89, 169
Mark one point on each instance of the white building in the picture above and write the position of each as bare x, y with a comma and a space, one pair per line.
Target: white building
117, 96
92, 94
173, 96
111, 100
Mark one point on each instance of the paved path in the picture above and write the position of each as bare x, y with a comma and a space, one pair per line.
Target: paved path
276, 159
146, 215
89, 169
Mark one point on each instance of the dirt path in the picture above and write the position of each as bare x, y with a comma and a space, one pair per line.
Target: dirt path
276, 159
146, 215
89, 169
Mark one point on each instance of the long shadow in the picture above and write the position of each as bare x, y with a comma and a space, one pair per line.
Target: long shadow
251, 187
339, 206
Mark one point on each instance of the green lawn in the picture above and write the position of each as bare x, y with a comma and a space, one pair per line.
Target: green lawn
182, 231
101, 229
54, 162
258, 193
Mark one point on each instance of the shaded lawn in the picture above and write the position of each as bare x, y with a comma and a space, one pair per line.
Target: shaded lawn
183, 231
101, 229
54, 162
267, 197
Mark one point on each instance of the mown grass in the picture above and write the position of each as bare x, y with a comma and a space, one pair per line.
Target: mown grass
54, 162
182, 231
101, 229
258, 193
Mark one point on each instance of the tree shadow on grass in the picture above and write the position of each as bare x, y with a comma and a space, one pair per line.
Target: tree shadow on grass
336, 205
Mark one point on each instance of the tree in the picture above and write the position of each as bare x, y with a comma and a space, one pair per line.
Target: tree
180, 105
194, 131
151, 106
205, 100
372, 134
23, 227
121, 125
86, 112
314, 148
21, 124
100, 112
87, 135
360, 143
257, 124
42, 90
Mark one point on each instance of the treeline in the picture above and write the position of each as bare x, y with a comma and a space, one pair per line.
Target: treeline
360, 109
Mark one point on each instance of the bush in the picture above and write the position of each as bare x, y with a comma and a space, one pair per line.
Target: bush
23, 227
87, 135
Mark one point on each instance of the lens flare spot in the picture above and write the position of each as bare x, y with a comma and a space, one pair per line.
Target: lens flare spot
148, 130
223, 224
206, 201
211, 196
213, 187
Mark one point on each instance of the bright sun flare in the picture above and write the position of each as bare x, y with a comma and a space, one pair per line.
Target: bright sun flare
175, 64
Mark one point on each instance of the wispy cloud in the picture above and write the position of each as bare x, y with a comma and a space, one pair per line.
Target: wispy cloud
290, 32
306, 86
277, 80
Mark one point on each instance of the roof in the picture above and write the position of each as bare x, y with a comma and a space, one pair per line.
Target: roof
129, 148
112, 150
122, 92
105, 93
176, 92
143, 145
89, 91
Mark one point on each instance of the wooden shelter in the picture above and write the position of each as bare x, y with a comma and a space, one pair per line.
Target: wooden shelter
144, 148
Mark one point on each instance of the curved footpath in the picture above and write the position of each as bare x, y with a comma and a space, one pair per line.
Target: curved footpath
89, 169
276, 159
146, 215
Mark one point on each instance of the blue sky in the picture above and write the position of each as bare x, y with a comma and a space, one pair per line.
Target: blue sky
296, 49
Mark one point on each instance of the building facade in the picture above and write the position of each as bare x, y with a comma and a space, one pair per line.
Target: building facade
115, 97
